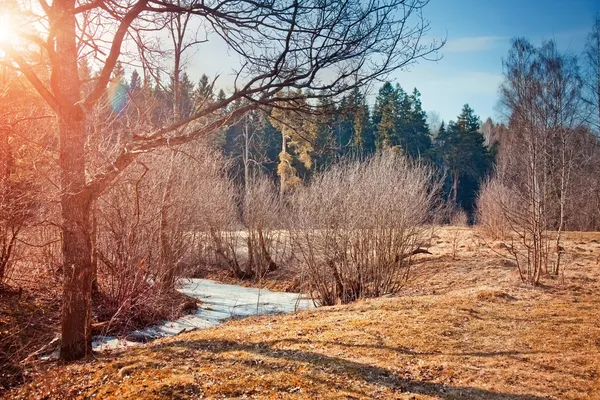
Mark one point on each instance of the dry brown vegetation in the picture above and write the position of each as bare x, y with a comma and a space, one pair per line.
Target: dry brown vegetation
464, 327
356, 226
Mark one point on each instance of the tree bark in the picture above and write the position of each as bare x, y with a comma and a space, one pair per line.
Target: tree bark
77, 245
75, 196
454, 187
166, 255
282, 182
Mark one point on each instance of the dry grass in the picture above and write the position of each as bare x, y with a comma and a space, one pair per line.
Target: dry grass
465, 328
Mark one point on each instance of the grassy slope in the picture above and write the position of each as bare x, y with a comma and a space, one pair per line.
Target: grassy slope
465, 328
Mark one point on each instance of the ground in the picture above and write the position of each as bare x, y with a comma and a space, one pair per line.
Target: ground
464, 327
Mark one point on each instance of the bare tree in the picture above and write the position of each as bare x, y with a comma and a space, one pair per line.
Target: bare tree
325, 47
434, 121
591, 63
183, 40
542, 96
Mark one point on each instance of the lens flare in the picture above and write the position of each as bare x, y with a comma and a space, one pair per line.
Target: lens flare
8, 30
117, 95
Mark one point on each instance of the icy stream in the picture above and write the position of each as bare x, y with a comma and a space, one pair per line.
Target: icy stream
218, 303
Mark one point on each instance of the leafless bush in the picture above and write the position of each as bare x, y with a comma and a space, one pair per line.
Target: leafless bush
356, 226
17, 209
442, 214
127, 248
506, 203
149, 225
215, 228
459, 217
490, 216
265, 241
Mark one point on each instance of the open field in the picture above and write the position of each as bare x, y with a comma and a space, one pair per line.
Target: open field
464, 327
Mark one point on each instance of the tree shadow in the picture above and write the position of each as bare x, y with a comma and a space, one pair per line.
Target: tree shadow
346, 368
408, 352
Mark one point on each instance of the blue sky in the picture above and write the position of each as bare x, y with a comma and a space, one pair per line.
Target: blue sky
478, 34
478, 37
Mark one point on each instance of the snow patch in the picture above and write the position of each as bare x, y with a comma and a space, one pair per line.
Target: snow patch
219, 302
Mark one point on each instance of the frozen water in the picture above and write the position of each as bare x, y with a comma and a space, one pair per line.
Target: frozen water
218, 302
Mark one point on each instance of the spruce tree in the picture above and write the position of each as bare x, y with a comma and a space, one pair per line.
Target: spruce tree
363, 140
463, 154
385, 115
135, 82
418, 139
203, 91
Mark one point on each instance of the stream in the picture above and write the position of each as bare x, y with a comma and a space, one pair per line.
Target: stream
218, 302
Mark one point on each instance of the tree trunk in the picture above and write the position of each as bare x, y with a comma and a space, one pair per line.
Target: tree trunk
77, 254
166, 255
75, 196
282, 182
454, 187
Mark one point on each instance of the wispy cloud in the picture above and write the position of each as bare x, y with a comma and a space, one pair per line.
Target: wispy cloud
446, 92
472, 44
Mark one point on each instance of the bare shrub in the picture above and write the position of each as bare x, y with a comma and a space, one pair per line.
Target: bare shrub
40, 257
17, 208
265, 242
357, 225
128, 252
150, 225
216, 223
490, 217
459, 217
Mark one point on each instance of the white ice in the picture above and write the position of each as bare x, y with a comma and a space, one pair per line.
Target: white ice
218, 303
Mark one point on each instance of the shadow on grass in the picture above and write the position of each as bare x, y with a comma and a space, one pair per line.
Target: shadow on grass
408, 352
346, 369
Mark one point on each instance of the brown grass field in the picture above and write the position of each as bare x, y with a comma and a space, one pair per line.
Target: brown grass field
464, 327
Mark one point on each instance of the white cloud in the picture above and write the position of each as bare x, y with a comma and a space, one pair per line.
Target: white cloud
446, 92
469, 82
471, 44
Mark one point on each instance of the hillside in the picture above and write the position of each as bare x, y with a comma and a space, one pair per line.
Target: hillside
463, 328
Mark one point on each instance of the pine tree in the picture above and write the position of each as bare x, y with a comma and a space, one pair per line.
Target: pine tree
203, 91
463, 154
117, 90
344, 128
417, 138
325, 141
135, 82
399, 121
385, 114
221, 96
186, 96
363, 141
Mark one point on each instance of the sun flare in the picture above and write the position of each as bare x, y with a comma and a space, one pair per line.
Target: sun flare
7, 28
